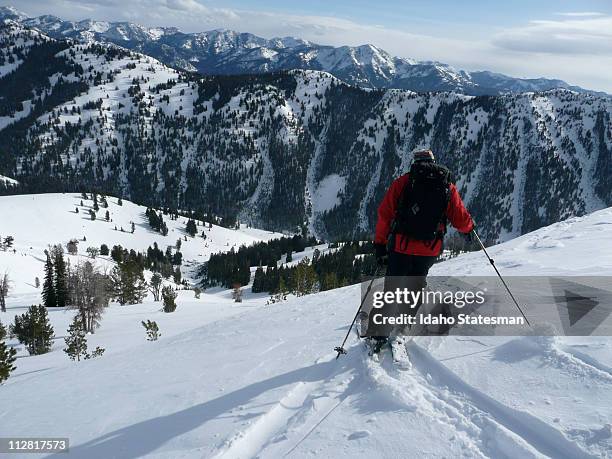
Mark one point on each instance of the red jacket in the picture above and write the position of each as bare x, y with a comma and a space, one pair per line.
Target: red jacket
456, 213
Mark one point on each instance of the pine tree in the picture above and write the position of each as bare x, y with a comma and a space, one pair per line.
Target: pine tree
5, 284
48, 291
8, 355
128, 283
177, 275
169, 296
60, 282
3, 332
34, 330
76, 342
258, 281
191, 228
152, 330
305, 278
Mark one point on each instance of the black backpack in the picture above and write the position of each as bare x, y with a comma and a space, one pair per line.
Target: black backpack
422, 205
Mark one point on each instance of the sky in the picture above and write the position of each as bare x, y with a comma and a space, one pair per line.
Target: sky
566, 39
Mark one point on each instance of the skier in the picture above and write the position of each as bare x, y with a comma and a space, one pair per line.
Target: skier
411, 225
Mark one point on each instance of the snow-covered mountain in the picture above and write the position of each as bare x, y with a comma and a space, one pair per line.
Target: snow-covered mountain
254, 380
289, 149
226, 52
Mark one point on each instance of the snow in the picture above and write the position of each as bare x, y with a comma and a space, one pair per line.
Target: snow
55, 213
249, 380
326, 196
8, 180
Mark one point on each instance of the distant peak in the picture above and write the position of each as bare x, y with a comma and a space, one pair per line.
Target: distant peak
9, 12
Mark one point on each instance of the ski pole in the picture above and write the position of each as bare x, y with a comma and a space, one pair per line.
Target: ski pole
500, 276
340, 349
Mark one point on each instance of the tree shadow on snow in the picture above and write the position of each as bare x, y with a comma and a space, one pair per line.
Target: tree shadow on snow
146, 436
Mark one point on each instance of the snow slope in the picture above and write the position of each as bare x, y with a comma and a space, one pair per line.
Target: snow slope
262, 381
39, 220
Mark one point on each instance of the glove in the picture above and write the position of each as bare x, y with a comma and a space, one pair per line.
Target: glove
469, 237
382, 256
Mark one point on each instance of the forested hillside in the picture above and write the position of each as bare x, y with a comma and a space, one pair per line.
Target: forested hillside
290, 150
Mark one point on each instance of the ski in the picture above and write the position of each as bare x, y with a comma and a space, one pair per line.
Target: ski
399, 353
375, 347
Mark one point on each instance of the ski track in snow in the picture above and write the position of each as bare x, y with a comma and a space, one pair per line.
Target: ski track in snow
280, 431
521, 432
591, 364
484, 426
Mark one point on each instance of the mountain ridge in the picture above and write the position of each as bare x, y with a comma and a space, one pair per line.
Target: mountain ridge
227, 52
290, 151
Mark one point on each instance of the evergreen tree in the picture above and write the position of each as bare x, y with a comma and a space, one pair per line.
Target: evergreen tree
60, 283
8, 355
169, 296
3, 332
258, 281
128, 283
48, 291
330, 281
152, 330
305, 278
5, 284
76, 342
104, 250
72, 246
34, 330
177, 275
191, 228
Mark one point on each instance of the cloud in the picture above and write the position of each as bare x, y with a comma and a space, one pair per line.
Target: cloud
578, 14
577, 36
